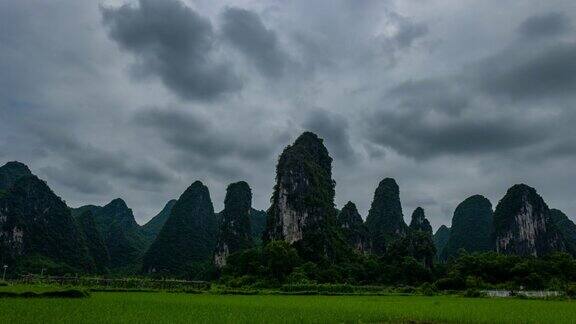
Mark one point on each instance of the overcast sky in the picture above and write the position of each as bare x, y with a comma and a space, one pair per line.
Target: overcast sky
138, 99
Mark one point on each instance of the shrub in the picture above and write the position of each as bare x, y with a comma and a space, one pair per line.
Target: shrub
69, 293
298, 277
323, 288
120, 290
570, 291
241, 281
406, 289
280, 259
451, 283
427, 289
300, 293
473, 293
237, 292
370, 289
474, 282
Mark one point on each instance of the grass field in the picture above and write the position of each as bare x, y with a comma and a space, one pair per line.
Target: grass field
144, 307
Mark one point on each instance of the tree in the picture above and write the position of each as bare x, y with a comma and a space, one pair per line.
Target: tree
280, 259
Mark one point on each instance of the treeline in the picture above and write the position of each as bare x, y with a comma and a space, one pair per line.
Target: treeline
278, 263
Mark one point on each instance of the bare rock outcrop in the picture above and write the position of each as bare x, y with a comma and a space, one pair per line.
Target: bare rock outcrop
523, 224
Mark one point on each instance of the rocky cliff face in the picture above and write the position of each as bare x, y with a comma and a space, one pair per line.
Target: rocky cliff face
353, 227
471, 227
385, 220
441, 237
12, 172
187, 239
567, 228
419, 222
35, 224
523, 224
235, 232
302, 211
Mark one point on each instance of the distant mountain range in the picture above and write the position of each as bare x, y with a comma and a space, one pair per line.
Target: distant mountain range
38, 231
188, 239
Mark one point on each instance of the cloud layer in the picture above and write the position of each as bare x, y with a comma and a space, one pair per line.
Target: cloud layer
173, 42
137, 99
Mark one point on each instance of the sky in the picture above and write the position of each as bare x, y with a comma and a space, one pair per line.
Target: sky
138, 99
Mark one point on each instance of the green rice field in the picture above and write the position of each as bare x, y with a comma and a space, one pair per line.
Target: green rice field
165, 307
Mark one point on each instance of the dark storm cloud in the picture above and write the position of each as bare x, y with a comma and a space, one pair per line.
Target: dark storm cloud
76, 180
173, 42
35, 36
334, 129
102, 163
422, 135
207, 147
199, 136
530, 73
336, 35
443, 96
545, 25
245, 30
514, 101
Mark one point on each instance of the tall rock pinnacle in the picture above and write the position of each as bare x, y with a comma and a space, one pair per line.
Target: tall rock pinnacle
523, 224
419, 221
302, 211
385, 220
354, 228
235, 230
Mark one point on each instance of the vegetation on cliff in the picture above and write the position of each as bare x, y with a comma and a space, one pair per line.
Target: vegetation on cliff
567, 228
235, 232
471, 227
154, 225
385, 220
419, 222
94, 241
258, 220
416, 243
12, 172
353, 227
302, 211
185, 245
125, 241
441, 238
38, 231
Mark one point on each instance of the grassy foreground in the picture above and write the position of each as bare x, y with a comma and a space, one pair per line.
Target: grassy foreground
142, 307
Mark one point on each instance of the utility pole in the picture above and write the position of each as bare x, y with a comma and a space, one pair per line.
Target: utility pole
4, 274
